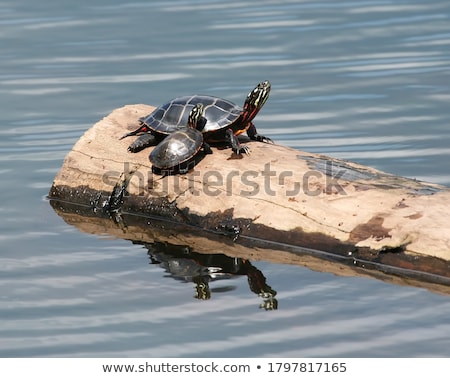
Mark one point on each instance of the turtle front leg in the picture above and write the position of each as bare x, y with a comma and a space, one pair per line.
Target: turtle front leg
144, 141
235, 145
253, 135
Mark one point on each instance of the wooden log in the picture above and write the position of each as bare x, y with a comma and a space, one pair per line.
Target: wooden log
276, 194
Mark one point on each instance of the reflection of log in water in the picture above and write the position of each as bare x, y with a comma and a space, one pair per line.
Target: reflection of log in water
396, 268
201, 269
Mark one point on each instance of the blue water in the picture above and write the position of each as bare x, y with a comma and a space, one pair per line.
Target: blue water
366, 81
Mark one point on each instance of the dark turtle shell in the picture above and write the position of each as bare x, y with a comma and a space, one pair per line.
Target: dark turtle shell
219, 113
177, 149
222, 121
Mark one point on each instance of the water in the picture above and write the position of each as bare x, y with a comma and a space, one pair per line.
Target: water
366, 81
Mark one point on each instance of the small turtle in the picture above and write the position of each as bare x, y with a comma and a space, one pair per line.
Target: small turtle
224, 119
177, 152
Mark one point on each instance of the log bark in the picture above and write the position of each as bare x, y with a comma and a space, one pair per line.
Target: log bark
276, 194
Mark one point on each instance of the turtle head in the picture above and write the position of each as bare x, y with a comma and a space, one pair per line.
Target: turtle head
196, 116
256, 100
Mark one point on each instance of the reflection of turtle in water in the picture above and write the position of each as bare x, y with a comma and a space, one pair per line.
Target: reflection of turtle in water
184, 264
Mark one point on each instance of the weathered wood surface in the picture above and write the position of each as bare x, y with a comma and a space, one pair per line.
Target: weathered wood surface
276, 194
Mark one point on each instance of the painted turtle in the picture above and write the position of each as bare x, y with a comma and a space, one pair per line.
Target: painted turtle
224, 119
177, 152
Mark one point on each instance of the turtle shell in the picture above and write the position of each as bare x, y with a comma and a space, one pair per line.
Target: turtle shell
220, 117
170, 117
178, 148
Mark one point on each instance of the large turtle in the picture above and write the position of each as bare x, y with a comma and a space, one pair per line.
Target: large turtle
178, 151
224, 120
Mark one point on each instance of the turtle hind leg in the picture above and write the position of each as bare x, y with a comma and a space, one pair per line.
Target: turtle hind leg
253, 135
235, 145
144, 141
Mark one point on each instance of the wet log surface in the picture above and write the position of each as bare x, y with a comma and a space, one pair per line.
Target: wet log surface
274, 199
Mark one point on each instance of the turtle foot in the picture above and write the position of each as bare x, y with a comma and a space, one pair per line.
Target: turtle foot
262, 138
207, 149
241, 150
134, 148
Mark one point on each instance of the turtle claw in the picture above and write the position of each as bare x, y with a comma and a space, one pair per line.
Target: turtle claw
245, 149
241, 150
262, 138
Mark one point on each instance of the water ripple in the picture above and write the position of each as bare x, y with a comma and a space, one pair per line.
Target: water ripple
130, 78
